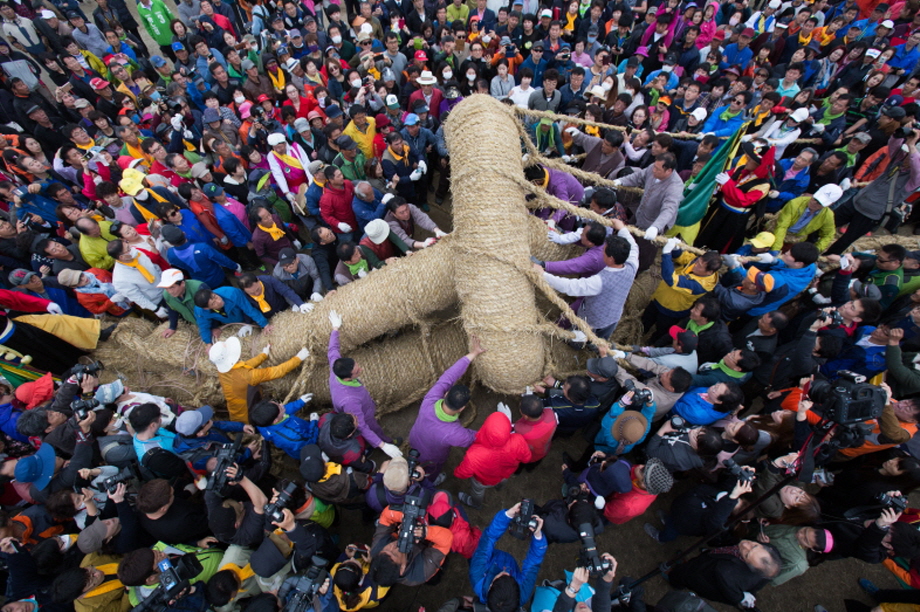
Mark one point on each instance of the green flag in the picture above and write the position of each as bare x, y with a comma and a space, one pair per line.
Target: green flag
698, 192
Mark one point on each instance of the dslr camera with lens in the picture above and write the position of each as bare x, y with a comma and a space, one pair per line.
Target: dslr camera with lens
524, 523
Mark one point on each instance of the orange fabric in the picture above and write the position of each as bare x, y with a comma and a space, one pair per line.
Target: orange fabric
245, 374
98, 303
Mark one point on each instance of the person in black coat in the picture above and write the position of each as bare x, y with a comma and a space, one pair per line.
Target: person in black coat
730, 574
705, 319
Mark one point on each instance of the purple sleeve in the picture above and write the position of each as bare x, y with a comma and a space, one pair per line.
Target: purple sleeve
589, 262
460, 436
370, 436
333, 352
448, 379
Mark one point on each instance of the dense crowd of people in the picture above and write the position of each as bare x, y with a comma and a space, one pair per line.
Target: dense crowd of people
259, 155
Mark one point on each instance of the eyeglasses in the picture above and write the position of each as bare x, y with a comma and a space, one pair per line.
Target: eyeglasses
364, 43
737, 101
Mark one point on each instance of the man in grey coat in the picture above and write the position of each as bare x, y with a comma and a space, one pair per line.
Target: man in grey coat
657, 211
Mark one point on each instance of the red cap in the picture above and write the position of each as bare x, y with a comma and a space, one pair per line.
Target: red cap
749, 32
421, 55
720, 34
98, 83
262, 98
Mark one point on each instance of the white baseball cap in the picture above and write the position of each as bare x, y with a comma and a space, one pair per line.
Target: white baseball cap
775, 4
700, 114
799, 115
828, 194
170, 277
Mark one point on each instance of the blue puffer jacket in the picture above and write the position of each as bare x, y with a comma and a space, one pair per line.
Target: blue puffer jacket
788, 283
9, 416
487, 562
695, 409
292, 433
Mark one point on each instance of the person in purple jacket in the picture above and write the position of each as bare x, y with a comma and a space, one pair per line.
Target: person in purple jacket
437, 428
561, 185
588, 263
349, 395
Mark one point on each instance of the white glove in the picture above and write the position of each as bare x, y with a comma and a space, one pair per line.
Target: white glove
438, 233
246, 330
766, 258
747, 138
749, 600
297, 244
416, 174
599, 502
617, 182
295, 308
579, 336
391, 449
618, 354
731, 261
55, 309
239, 269
818, 127
670, 245
306, 307
161, 312
303, 353
118, 298
567, 158
344, 228
528, 390
387, 197
773, 193
504, 409
176, 123
335, 319
423, 166
316, 297
187, 134
306, 398
362, 273
651, 233
551, 224
820, 299
525, 157
846, 184
314, 416
722, 178
291, 197
571, 131
845, 261
428, 242
268, 349
568, 238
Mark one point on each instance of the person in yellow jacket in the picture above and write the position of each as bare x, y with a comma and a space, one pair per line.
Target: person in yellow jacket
362, 129
353, 588
94, 586
803, 216
240, 380
684, 278
94, 239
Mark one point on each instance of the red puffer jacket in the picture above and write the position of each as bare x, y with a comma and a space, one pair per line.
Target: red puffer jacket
335, 206
496, 452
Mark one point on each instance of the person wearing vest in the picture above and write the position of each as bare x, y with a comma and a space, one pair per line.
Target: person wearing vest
145, 198
94, 586
289, 166
179, 297
270, 295
723, 227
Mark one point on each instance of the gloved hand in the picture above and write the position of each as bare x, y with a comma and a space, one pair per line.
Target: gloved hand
187, 134
438, 233
731, 261
161, 312
846, 184
314, 416
387, 197
525, 157
818, 127
567, 158
306, 307
568, 238
416, 175
599, 502
571, 131
306, 398
749, 600
176, 123
55, 309
391, 449
579, 336
423, 166
303, 353
362, 273
239, 269
773, 193
722, 178
504, 409
670, 245
617, 354
766, 258
335, 319
651, 233
344, 228
290, 197
617, 182
551, 224
246, 330
427, 242
316, 297
268, 349
297, 244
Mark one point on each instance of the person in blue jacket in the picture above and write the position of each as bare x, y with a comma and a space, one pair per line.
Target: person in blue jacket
202, 262
223, 306
726, 120
278, 425
617, 436
9, 415
738, 54
795, 185
185, 220
792, 272
368, 203
197, 430
865, 356
703, 406
495, 574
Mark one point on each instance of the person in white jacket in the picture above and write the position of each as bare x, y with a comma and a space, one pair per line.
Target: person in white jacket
289, 165
781, 134
136, 277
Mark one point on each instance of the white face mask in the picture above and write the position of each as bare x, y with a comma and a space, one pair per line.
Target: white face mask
606, 86
239, 99
667, 68
143, 195
336, 39
734, 20
447, 74
470, 76
356, 83
486, 39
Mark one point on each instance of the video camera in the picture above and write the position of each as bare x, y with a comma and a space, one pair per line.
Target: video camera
589, 557
413, 460
173, 580
640, 395
524, 523
226, 456
274, 510
414, 508
895, 502
81, 370
737, 471
82, 407
847, 401
307, 585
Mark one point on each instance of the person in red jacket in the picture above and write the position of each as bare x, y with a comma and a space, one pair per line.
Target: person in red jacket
494, 456
335, 204
648, 482
537, 425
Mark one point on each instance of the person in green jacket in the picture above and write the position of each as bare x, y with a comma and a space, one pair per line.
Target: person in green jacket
179, 296
141, 582
803, 216
156, 17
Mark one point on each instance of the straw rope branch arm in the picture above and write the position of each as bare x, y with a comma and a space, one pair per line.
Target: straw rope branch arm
570, 119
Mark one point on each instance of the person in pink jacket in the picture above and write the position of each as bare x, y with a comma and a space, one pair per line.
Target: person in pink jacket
493, 457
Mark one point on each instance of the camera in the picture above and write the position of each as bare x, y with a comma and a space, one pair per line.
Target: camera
849, 400
589, 557
226, 456
414, 508
679, 423
833, 318
173, 579
110, 483
305, 586
906, 130
81, 370
737, 471
640, 395
413, 461
524, 523
274, 510
82, 407
174, 105
896, 503
510, 51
